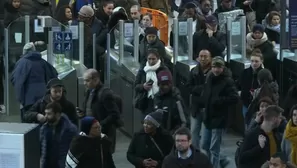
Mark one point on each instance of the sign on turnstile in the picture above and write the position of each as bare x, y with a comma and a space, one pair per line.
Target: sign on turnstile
293, 24
62, 43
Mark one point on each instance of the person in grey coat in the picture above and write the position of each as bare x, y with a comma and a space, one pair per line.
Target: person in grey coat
289, 143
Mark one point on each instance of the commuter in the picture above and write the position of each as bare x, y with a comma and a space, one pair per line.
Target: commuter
225, 6
64, 15
151, 144
248, 81
278, 161
267, 88
135, 12
262, 142
11, 11
196, 82
146, 83
169, 100
248, 7
30, 76
258, 39
90, 148
262, 8
272, 28
55, 137
55, 93
289, 143
78, 4
209, 38
183, 3
36, 8
289, 101
105, 11
191, 12
205, 8
184, 154
219, 93
151, 40
126, 4
101, 104
161, 5
146, 21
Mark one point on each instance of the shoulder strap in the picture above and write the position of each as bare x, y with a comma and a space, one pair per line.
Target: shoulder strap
157, 146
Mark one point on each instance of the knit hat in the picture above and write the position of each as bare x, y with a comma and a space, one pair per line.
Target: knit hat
155, 118
212, 20
54, 82
86, 124
151, 30
258, 27
86, 11
164, 76
218, 62
29, 47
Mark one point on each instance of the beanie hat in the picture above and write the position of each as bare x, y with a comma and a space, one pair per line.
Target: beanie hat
29, 47
164, 76
258, 27
151, 30
86, 11
155, 118
218, 62
54, 82
86, 124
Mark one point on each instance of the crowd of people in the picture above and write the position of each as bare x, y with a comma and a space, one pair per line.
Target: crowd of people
173, 134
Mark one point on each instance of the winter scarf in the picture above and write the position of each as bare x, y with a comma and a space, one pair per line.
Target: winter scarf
252, 43
291, 135
151, 75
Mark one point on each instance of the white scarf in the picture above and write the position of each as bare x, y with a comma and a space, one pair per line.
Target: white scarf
151, 75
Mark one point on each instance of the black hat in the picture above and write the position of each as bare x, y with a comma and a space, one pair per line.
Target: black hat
151, 30
212, 20
86, 124
155, 117
54, 82
258, 27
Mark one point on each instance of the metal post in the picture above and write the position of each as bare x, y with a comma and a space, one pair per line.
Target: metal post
81, 43
136, 41
27, 29
50, 48
229, 39
190, 38
107, 75
94, 52
121, 43
243, 36
175, 47
283, 45
6, 78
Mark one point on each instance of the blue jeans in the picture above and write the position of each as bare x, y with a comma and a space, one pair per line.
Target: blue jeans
211, 142
195, 130
244, 111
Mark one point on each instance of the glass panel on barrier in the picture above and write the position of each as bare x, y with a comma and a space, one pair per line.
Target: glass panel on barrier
183, 43
236, 38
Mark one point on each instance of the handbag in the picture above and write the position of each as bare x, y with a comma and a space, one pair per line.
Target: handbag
140, 101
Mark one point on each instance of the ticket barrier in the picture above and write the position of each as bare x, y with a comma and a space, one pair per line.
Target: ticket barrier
61, 60
122, 69
289, 72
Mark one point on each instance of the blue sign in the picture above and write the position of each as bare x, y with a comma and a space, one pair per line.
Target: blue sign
67, 46
58, 36
293, 24
67, 36
58, 47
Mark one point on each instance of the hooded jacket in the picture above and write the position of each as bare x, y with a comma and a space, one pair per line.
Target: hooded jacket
196, 160
10, 13
219, 93
30, 77
68, 109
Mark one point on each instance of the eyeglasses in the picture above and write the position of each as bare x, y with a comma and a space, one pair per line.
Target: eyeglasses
181, 141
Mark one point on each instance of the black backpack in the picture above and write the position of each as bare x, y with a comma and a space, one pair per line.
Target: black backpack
119, 102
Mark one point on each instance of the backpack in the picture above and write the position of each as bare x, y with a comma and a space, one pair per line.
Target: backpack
119, 102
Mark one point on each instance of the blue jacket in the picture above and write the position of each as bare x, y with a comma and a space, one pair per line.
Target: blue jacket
30, 76
67, 131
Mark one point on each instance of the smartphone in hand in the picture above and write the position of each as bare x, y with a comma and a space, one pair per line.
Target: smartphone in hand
150, 82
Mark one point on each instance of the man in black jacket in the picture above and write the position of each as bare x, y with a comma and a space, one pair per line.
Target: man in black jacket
184, 154
219, 93
55, 93
209, 38
262, 142
101, 104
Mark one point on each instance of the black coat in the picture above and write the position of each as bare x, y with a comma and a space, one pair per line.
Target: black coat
87, 151
10, 13
219, 93
251, 154
248, 81
141, 147
197, 160
39, 108
216, 44
104, 110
